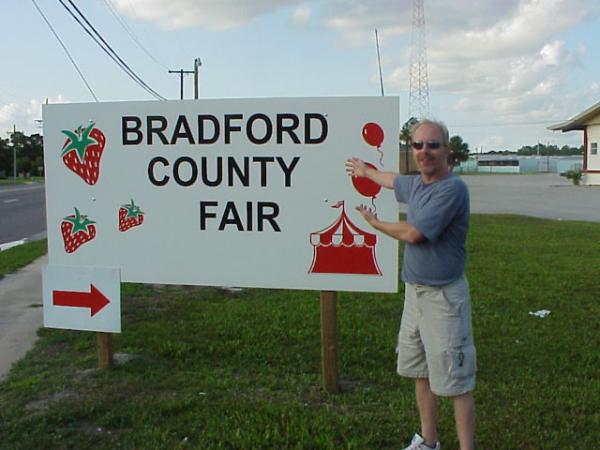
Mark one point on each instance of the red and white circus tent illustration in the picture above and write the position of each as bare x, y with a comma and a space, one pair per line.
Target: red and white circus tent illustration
344, 248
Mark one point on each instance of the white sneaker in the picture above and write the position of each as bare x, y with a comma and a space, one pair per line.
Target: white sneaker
418, 443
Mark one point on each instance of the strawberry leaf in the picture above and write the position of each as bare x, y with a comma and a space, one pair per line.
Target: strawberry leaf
133, 210
80, 141
80, 222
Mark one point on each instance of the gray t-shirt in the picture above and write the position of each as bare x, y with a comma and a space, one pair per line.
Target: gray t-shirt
440, 211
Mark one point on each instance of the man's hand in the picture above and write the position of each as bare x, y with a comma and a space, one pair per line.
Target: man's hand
367, 213
402, 231
356, 167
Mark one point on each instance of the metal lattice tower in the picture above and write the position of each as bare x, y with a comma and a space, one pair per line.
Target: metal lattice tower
418, 97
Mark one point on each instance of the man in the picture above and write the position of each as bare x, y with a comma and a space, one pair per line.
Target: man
435, 341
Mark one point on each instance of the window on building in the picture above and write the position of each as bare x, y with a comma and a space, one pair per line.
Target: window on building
594, 148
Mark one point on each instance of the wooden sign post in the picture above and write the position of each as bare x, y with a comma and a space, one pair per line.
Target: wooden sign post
105, 350
329, 341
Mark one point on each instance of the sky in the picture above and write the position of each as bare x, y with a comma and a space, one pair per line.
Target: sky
499, 71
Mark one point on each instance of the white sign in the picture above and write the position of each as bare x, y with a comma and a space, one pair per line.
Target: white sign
249, 193
82, 298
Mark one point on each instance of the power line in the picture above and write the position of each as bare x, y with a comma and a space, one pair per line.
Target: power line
108, 49
65, 49
123, 24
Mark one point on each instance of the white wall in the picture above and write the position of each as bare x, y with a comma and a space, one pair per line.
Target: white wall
593, 135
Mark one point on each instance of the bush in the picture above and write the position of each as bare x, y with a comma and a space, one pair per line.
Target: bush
573, 175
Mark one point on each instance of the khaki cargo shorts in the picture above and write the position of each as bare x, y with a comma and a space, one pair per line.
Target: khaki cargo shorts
436, 339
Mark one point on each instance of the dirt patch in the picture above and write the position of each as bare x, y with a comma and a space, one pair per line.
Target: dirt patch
43, 403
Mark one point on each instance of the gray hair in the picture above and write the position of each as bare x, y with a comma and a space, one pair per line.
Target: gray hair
441, 125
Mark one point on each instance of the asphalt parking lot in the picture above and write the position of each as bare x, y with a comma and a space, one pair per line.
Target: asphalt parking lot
546, 195
541, 195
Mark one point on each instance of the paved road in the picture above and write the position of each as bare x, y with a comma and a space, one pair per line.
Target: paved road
22, 212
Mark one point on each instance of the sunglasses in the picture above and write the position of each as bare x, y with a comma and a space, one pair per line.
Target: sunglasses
432, 145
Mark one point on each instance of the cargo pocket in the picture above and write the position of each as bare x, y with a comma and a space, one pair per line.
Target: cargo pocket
462, 361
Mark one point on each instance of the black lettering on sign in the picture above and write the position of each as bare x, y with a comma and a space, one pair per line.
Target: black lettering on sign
177, 171
243, 174
203, 119
179, 133
156, 125
287, 170
269, 216
151, 174
268, 126
288, 128
219, 172
131, 125
263, 161
229, 127
204, 214
232, 215
309, 119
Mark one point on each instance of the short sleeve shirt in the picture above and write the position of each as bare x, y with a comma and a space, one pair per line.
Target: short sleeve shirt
440, 211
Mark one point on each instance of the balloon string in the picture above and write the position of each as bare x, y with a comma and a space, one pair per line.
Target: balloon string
374, 205
380, 157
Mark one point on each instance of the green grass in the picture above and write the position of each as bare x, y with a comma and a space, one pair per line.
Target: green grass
20, 180
16, 257
215, 371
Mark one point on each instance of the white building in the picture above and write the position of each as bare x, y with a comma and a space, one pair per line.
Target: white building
589, 122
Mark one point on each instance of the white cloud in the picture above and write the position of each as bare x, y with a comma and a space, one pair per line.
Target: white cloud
209, 14
513, 68
302, 15
25, 116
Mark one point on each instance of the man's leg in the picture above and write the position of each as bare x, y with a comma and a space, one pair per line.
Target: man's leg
464, 414
427, 405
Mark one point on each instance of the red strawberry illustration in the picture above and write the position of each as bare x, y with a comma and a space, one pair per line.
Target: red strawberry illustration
76, 230
130, 216
82, 151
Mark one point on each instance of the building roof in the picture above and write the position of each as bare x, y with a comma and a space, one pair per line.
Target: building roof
577, 122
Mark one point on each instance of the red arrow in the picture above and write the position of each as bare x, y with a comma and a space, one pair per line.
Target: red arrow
95, 300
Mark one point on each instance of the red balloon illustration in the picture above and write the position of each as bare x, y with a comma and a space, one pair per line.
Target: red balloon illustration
365, 186
372, 134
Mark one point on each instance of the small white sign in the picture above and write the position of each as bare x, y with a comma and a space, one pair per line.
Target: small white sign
82, 298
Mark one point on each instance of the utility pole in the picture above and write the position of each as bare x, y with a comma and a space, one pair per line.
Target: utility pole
379, 62
181, 72
197, 64
14, 154
13, 144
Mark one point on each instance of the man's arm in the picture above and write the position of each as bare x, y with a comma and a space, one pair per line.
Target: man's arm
356, 167
402, 231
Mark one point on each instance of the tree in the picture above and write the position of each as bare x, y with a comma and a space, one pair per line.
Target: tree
459, 151
405, 131
405, 139
5, 158
29, 152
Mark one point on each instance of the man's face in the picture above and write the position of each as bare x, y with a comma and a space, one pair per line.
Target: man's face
432, 162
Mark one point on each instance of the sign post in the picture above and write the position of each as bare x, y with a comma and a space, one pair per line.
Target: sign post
329, 341
105, 350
